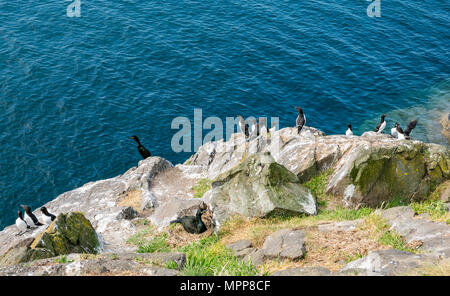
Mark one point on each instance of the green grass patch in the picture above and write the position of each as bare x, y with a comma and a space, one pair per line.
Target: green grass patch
63, 259
353, 257
201, 187
318, 186
435, 208
398, 201
385, 236
208, 257
172, 265
156, 244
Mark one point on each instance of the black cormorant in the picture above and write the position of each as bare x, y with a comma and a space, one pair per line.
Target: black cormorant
301, 119
192, 224
142, 150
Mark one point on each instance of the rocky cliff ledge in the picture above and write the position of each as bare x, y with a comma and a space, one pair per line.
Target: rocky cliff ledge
281, 174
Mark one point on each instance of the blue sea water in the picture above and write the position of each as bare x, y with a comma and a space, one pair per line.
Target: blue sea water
72, 90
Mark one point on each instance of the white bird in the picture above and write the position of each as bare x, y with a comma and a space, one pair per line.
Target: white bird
30, 218
381, 125
349, 131
254, 130
47, 217
394, 132
243, 126
400, 134
21, 224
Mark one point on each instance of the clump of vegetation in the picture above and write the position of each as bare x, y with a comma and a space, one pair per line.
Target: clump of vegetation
157, 244
172, 265
201, 187
380, 231
353, 257
433, 269
397, 201
435, 208
208, 257
318, 186
63, 259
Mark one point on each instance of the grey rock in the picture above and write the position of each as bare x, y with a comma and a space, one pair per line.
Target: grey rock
252, 255
128, 213
285, 243
98, 201
304, 271
385, 262
339, 226
106, 264
256, 188
434, 235
239, 245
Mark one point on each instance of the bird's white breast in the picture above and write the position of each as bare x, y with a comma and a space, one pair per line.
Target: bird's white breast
28, 220
21, 224
394, 132
349, 132
383, 125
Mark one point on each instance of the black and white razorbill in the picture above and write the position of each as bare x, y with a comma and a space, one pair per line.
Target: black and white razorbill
254, 130
29, 217
301, 119
394, 132
142, 150
21, 224
349, 131
381, 125
400, 133
243, 126
412, 124
47, 217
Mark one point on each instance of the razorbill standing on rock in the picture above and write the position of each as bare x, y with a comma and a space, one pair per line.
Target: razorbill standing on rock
394, 132
301, 120
48, 217
21, 224
349, 131
254, 131
412, 124
400, 134
142, 150
243, 126
381, 125
30, 218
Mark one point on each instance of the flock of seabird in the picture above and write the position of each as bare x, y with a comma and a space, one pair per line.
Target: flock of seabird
29, 220
194, 224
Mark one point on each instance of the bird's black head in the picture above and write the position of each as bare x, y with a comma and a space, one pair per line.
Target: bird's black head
300, 110
26, 208
19, 214
397, 124
383, 116
44, 210
349, 126
136, 139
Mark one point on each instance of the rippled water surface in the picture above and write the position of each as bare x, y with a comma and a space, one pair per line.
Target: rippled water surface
73, 90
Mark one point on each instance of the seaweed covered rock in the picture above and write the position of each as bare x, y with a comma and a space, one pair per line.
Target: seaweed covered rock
257, 187
69, 233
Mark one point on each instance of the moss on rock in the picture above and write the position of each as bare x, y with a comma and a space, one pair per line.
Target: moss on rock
69, 233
